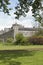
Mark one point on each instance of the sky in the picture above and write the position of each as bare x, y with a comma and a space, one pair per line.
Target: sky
6, 21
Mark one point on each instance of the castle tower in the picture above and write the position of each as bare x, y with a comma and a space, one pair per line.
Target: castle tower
15, 28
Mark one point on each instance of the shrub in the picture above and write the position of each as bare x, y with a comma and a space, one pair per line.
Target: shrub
10, 40
38, 40
25, 41
19, 38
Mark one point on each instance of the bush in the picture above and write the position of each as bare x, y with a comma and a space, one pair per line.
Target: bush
10, 40
38, 40
19, 38
25, 41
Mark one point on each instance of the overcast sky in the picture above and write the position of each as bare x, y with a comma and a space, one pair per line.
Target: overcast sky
7, 21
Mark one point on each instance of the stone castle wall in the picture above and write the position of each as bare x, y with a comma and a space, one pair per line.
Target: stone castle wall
15, 29
6, 35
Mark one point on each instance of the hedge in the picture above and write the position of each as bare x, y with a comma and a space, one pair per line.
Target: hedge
36, 40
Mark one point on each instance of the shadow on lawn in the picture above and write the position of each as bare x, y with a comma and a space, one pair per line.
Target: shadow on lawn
8, 57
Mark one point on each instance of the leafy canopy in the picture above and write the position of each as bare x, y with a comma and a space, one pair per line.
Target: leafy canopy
23, 7
4, 6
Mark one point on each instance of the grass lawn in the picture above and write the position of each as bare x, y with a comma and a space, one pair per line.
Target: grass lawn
4, 46
21, 55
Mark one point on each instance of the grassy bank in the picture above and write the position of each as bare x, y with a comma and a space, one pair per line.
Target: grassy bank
4, 46
21, 55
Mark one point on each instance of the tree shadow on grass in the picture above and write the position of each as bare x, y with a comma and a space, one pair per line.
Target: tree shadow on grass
9, 56
12, 63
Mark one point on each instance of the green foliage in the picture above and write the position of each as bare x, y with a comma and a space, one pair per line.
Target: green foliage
21, 40
23, 7
10, 40
19, 37
4, 6
25, 41
37, 40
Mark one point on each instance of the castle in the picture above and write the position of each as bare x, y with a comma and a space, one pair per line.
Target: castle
15, 29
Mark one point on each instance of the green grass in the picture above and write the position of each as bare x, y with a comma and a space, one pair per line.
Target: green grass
21, 55
4, 46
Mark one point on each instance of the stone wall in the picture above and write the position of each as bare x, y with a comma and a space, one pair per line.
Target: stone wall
15, 29
9, 34
27, 33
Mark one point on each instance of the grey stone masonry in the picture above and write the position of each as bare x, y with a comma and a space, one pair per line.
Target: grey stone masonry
15, 29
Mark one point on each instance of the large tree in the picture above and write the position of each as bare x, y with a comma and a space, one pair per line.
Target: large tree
23, 7
4, 6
